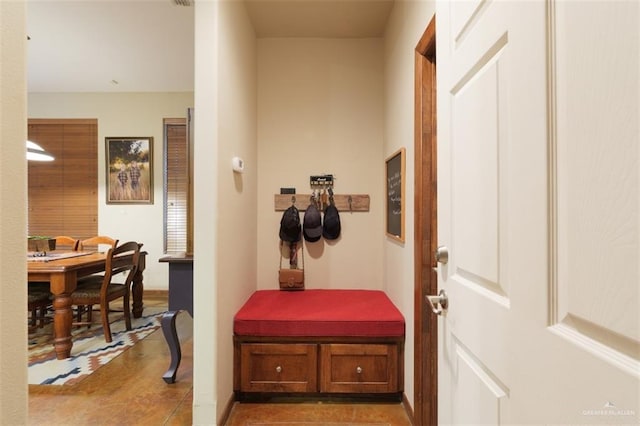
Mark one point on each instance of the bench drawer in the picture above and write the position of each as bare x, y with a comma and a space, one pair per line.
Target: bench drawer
359, 368
273, 367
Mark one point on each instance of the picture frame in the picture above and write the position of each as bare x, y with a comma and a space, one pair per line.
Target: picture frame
129, 170
395, 195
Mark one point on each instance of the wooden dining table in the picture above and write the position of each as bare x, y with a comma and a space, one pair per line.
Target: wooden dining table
62, 274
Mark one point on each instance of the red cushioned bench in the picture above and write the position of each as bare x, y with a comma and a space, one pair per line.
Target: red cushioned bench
319, 342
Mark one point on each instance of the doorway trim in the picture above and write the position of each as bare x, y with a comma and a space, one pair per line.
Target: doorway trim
425, 235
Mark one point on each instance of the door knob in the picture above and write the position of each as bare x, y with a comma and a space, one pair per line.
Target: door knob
442, 255
441, 299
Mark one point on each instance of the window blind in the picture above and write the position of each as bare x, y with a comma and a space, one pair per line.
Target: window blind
62, 194
176, 185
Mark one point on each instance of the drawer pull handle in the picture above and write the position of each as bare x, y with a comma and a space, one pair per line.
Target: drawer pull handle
359, 370
278, 369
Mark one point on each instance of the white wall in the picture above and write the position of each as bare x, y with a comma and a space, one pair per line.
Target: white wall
205, 301
237, 193
320, 110
13, 222
406, 25
225, 202
124, 114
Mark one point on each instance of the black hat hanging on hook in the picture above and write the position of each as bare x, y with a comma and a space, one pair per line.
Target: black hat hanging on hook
331, 223
290, 225
312, 225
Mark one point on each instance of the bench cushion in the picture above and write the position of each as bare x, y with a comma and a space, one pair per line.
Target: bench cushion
314, 313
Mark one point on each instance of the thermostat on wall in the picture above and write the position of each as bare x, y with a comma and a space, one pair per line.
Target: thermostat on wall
237, 164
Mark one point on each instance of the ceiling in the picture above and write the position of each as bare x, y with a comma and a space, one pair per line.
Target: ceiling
319, 18
109, 46
147, 45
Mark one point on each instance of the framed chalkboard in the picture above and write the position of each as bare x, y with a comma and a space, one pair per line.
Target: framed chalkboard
395, 168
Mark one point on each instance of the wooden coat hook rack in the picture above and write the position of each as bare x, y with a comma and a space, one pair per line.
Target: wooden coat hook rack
344, 203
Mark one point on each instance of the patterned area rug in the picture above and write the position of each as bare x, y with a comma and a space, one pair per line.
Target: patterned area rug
89, 351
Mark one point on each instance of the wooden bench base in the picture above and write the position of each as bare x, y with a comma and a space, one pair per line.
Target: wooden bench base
320, 366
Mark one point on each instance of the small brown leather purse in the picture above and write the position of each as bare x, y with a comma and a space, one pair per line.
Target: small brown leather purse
291, 278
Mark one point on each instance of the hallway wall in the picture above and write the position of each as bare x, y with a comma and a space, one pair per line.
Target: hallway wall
13, 221
225, 202
406, 25
320, 105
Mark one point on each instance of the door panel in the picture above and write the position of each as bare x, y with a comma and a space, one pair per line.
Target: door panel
480, 397
597, 217
472, 221
539, 205
474, 139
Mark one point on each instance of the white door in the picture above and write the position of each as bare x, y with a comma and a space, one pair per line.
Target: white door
539, 208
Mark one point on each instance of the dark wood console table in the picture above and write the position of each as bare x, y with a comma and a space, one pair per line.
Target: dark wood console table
180, 298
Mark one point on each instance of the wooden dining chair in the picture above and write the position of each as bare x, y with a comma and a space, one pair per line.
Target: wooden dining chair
66, 243
93, 243
38, 302
101, 293
97, 242
39, 299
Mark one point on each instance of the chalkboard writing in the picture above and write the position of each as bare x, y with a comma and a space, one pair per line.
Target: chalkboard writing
395, 195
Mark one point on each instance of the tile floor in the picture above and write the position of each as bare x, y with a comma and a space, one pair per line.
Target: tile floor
130, 391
